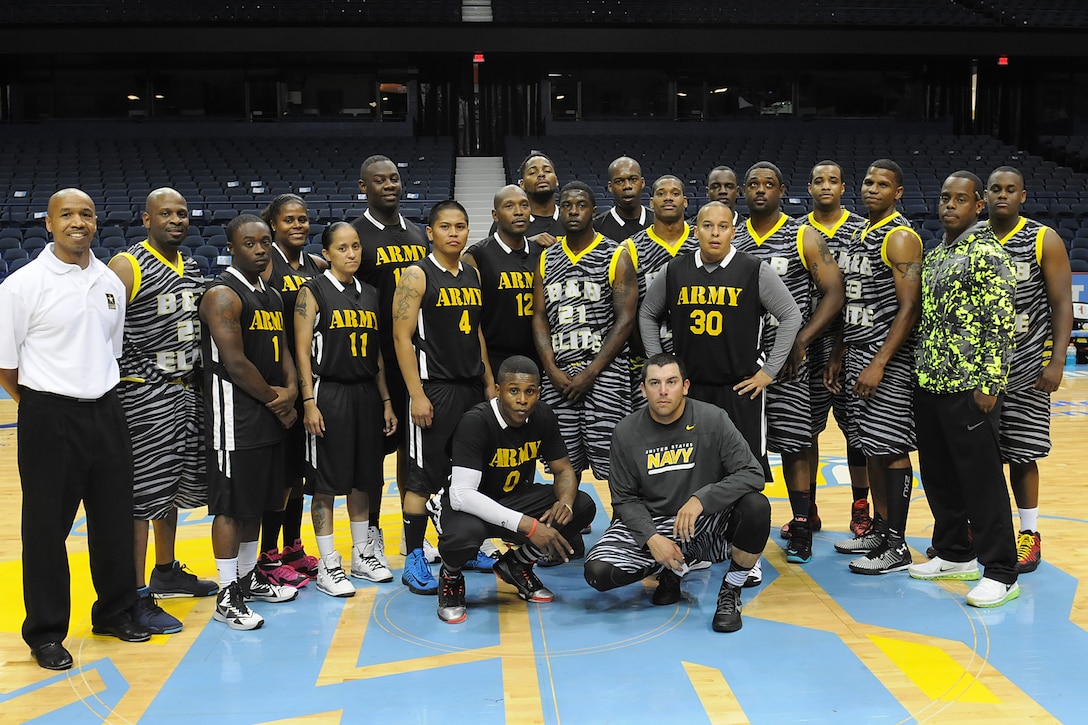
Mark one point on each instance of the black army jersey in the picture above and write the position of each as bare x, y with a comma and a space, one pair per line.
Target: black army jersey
234, 419
287, 280
505, 455
716, 317
386, 251
345, 342
447, 338
506, 279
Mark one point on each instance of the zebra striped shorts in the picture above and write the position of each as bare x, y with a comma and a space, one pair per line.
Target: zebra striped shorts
166, 423
1025, 426
617, 544
822, 399
587, 425
884, 423
789, 414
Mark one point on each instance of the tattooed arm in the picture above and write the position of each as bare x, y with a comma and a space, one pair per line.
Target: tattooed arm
306, 310
220, 309
406, 302
903, 250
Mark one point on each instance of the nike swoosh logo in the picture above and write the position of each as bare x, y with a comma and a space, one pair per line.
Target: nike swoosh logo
691, 427
976, 425
947, 568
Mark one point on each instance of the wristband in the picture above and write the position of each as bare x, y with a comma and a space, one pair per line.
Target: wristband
533, 529
304, 400
568, 507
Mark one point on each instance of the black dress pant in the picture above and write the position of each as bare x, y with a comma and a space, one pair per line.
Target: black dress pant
72, 451
964, 481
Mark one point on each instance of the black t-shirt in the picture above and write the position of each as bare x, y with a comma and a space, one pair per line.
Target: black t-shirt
505, 455
613, 226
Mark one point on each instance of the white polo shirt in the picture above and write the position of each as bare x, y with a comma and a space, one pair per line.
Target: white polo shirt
62, 326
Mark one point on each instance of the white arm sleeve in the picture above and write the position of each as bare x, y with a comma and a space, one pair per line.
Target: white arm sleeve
465, 496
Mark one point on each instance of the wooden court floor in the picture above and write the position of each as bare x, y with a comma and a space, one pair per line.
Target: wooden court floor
818, 644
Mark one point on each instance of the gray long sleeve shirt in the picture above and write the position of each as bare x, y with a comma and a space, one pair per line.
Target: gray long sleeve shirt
656, 468
773, 295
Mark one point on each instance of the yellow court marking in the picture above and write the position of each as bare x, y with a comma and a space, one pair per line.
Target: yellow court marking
934, 672
332, 717
717, 698
795, 598
521, 688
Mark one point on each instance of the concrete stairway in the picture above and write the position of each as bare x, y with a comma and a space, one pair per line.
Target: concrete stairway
476, 11
475, 182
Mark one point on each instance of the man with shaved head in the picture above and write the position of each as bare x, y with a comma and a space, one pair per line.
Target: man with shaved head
62, 320
506, 261
628, 216
162, 406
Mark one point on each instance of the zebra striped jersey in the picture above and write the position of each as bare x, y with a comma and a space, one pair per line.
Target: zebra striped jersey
447, 337
871, 304
781, 249
1033, 344
650, 254
162, 325
578, 298
837, 237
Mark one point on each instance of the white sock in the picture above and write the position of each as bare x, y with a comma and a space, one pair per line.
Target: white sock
359, 533
1029, 519
247, 557
228, 571
325, 545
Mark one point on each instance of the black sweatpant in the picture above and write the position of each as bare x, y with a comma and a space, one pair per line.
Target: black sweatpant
71, 451
964, 482
460, 534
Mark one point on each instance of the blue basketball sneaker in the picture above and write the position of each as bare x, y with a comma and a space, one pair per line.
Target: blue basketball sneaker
417, 574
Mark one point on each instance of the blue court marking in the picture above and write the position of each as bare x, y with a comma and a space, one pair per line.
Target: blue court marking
1032, 629
269, 674
96, 708
612, 657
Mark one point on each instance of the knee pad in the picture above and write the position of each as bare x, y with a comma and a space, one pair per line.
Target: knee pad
599, 575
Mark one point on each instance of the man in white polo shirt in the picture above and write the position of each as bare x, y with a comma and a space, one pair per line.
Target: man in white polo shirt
61, 322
